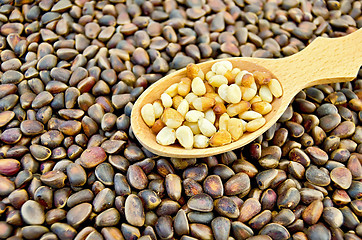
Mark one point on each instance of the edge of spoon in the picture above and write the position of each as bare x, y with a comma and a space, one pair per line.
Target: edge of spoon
148, 139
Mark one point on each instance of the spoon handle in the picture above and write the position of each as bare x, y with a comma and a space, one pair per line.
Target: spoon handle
325, 60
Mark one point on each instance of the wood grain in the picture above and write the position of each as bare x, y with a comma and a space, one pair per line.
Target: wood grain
321, 62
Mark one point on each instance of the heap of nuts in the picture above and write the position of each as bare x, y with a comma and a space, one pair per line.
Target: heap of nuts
212, 109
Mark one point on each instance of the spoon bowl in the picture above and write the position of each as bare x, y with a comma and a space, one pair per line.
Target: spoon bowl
323, 61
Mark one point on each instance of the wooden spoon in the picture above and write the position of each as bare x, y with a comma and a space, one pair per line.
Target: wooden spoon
325, 60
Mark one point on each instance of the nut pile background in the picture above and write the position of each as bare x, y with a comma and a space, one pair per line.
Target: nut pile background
71, 168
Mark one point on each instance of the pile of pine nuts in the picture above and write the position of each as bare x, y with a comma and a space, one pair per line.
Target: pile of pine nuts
212, 109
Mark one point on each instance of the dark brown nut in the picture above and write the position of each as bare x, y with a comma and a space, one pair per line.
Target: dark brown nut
299, 156
333, 217
317, 176
134, 212
111, 233
44, 195
260, 220
317, 155
34, 231
70, 127
197, 173
238, 184
313, 212
173, 186
225, 206
130, 232
221, 227
108, 218
63, 230
31, 127
285, 217
268, 199
55, 179
9, 167
93, 156
223, 171
342, 177
275, 230
121, 185
32, 213
103, 200
167, 207
318, 231
201, 202
201, 231
180, 223
76, 175
55, 215
191, 187
136, 177
249, 209
200, 217
105, 173
289, 198
240, 230
213, 186
265, 178
78, 214
63, 195
164, 227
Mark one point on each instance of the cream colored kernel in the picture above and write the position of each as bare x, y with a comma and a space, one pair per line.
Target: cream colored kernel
206, 127
250, 115
234, 93
235, 72
166, 136
166, 100
172, 90
194, 115
209, 75
223, 92
221, 70
224, 121
236, 108
172, 118
183, 107
210, 115
243, 124
256, 99
254, 86
148, 114
176, 100
262, 107
185, 137
201, 74
193, 126
226, 64
239, 77
275, 88
201, 141
218, 80
191, 97
265, 94
184, 87
247, 93
254, 125
198, 86
235, 128
157, 108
